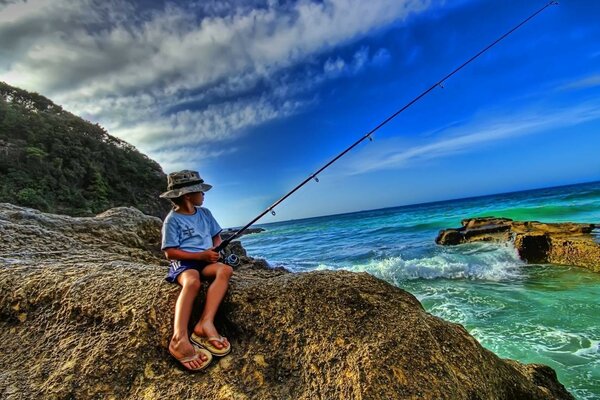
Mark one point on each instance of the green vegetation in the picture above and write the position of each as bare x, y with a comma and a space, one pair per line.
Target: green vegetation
56, 162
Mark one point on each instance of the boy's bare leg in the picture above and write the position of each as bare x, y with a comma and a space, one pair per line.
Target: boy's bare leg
180, 344
216, 291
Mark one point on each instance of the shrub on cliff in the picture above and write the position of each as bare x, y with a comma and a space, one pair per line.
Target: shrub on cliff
55, 161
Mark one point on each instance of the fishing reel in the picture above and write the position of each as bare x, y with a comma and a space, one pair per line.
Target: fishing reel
230, 259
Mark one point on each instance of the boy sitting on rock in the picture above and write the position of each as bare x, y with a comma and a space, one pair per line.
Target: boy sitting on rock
189, 235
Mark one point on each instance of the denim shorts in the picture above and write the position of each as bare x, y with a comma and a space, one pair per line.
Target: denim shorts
176, 267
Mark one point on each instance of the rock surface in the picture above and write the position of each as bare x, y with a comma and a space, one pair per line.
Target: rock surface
85, 313
536, 242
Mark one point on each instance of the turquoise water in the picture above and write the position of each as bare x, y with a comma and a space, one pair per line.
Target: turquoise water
531, 313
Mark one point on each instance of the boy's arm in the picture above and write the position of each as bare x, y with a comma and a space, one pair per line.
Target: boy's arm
217, 240
173, 253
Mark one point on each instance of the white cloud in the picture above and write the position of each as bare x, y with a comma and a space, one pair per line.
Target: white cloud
217, 123
400, 152
582, 83
334, 67
189, 73
360, 60
381, 57
178, 158
172, 49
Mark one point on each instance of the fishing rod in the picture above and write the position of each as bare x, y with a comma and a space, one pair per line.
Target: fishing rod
439, 83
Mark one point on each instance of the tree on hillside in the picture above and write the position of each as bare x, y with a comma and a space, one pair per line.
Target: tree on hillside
55, 161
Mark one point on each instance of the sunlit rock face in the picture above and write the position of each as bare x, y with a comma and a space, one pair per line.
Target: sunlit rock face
537, 242
85, 313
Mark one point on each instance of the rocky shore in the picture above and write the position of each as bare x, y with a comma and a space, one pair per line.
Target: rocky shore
85, 314
536, 242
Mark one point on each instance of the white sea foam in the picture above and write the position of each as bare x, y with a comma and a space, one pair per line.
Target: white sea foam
552, 343
593, 350
596, 234
479, 262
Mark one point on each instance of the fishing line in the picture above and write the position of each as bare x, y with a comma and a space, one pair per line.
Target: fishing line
369, 134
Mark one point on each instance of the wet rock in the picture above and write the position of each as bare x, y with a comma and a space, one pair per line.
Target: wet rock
98, 319
555, 243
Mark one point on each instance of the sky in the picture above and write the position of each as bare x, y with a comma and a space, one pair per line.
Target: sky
258, 95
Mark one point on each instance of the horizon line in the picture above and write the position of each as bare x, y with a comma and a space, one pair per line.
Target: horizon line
424, 203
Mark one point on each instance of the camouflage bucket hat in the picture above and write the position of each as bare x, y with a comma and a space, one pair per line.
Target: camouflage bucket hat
182, 182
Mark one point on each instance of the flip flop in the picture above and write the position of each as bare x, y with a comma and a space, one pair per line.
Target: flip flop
206, 343
196, 356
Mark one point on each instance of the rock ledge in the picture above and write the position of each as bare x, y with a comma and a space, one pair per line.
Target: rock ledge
537, 242
92, 320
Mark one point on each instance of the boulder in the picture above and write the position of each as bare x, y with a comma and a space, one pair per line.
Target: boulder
89, 318
536, 242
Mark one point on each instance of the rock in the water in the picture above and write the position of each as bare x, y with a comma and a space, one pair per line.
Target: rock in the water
96, 323
537, 242
227, 233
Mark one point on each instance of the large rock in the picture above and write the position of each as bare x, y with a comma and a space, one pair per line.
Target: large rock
26, 233
537, 242
95, 322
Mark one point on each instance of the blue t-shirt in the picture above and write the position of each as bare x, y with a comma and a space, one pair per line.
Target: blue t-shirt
189, 232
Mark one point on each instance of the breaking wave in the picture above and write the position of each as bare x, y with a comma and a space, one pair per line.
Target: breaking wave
478, 261
474, 262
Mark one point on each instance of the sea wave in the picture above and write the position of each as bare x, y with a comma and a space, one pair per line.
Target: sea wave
478, 261
584, 195
474, 262
553, 344
416, 227
596, 234
552, 212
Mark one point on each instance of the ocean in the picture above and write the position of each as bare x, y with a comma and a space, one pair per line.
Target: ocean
545, 314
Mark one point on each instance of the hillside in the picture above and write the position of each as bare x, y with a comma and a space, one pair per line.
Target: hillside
57, 162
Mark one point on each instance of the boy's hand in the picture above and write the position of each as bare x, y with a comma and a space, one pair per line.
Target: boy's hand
209, 256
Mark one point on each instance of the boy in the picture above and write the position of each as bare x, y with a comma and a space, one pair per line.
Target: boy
189, 234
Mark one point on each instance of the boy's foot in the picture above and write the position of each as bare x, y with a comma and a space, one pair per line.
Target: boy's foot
206, 335
190, 356
206, 342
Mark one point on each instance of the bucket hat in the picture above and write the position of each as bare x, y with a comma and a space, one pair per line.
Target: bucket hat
182, 182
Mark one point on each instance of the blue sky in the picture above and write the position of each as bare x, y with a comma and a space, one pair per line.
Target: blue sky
257, 95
